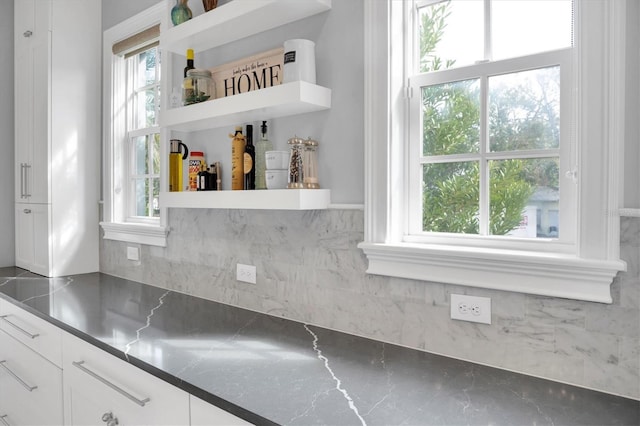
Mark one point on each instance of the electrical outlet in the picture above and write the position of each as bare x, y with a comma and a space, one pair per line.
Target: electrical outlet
471, 308
133, 253
246, 273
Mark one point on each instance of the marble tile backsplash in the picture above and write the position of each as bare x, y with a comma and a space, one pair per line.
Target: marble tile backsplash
310, 270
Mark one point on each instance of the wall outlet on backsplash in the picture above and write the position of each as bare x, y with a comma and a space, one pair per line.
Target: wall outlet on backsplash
471, 308
246, 273
133, 253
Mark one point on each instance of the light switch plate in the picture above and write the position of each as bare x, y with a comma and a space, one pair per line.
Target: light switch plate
133, 253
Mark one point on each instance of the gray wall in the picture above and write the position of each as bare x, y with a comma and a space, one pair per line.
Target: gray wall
7, 234
116, 11
632, 132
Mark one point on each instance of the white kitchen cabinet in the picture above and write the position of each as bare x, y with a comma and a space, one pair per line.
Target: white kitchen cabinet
32, 248
205, 414
30, 386
98, 388
227, 23
57, 134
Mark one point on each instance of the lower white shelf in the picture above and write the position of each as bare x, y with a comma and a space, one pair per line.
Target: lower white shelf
278, 199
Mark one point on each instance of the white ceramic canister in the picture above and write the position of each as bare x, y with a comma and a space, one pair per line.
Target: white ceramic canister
299, 61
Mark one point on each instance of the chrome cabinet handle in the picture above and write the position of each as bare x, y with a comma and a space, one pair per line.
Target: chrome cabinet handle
27, 211
27, 33
26, 180
15, 376
140, 402
21, 180
3, 421
17, 327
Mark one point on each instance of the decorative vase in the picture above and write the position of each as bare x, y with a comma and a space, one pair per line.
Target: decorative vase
209, 4
180, 12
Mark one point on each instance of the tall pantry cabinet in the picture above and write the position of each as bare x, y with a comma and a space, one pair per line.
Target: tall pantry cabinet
57, 134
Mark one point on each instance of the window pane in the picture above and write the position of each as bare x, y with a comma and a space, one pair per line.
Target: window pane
524, 110
155, 160
451, 118
141, 196
140, 156
451, 200
155, 201
524, 27
451, 34
146, 68
524, 197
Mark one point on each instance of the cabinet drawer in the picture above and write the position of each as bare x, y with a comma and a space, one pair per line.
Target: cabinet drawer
30, 386
32, 331
99, 385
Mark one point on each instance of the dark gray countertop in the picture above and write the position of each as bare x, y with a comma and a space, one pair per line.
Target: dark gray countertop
271, 370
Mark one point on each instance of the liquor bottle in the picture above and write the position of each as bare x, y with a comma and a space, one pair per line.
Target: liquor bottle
190, 65
249, 160
237, 159
262, 146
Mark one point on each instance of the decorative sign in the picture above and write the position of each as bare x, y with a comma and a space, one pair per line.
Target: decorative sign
252, 73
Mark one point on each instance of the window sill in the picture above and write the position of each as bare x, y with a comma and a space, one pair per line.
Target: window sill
151, 235
555, 275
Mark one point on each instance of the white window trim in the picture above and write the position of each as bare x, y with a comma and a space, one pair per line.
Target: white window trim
114, 226
599, 66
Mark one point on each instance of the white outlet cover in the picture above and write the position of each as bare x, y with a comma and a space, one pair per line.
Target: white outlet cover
246, 273
471, 308
133, 253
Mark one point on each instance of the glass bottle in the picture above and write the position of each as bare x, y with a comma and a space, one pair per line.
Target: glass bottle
249, 160
180, 12
295, 163
237, 159
310, 164
262, 146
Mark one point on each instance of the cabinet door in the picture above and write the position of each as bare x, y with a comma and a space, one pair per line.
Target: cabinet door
30, 386
205, 414
32, 237
32, 99
24, 236
100, 387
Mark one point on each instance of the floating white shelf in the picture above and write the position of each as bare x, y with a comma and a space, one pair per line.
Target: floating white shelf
236, 20
278, 199
278, 101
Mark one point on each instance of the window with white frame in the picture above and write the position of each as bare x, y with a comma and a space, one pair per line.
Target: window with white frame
142, 155
482, 143
132, 134
489, 121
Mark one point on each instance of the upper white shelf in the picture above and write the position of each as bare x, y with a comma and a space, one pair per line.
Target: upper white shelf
284, 100
236, 20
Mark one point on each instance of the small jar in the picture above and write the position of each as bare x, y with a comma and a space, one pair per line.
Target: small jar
295, 179
310, 164
197, 86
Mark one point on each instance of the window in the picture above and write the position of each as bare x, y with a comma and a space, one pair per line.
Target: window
143, 153
132, 135
488, 162
489, 121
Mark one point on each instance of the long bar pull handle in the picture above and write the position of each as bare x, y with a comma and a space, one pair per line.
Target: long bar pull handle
4, 421
26, 180
140, 402
15, 376
21, 180
17, 327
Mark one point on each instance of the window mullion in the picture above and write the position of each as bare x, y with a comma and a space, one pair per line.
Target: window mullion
488, 45
484, 165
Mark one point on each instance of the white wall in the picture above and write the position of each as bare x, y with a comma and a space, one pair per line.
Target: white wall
7, 234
